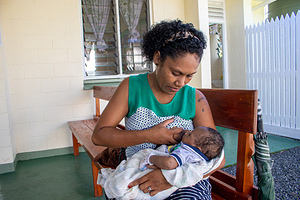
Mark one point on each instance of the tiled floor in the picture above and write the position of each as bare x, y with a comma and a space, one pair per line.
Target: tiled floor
54, 178
68, 177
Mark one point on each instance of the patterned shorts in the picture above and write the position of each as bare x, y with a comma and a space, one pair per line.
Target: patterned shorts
199, 191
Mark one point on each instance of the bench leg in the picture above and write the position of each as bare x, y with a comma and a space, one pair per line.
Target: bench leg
76, 145
97, 188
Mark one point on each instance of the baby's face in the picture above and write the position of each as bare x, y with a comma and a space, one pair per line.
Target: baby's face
189, 138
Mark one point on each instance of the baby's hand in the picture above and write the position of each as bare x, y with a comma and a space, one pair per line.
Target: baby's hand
145, 162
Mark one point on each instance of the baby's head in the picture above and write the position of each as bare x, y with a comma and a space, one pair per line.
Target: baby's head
208, 140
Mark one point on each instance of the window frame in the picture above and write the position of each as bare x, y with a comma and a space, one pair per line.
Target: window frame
112, 80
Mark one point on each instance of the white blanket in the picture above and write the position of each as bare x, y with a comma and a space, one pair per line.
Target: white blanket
115, 182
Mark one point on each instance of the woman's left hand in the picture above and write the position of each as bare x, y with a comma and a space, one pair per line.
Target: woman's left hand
152, 183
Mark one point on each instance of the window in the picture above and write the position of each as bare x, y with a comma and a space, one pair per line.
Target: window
113, 30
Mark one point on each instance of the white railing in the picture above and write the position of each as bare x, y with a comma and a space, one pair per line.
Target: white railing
273, 67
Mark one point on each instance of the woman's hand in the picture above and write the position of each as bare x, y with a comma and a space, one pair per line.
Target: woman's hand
154, 180
160, 134
178, 136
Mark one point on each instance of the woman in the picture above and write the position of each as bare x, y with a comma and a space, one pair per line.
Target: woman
158, 106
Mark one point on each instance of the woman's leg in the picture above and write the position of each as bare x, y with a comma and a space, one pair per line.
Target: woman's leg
201, 191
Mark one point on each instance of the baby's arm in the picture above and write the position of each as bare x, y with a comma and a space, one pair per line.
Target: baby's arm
163, 162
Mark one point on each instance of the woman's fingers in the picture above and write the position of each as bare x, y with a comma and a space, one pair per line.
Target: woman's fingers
166, 122
178, 136
153, 192
177, 130
154, 179
140, 181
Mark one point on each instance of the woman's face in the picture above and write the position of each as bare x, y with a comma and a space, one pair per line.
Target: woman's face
173, 74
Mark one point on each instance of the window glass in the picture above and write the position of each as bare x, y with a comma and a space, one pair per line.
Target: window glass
110, 32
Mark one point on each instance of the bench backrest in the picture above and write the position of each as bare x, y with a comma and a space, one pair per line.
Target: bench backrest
233, 109
236, 109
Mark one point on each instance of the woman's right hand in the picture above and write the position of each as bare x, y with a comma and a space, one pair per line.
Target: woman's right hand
160, 134
154, 180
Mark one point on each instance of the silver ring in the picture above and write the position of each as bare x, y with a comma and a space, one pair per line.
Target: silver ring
149, 188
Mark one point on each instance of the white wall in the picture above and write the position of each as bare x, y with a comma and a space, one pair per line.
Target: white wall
42, 44
238, 15
258, 15
168, 10
189, 11
7, 150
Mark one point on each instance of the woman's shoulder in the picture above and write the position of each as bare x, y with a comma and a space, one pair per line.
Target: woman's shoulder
122, 89
199, 94
188, 91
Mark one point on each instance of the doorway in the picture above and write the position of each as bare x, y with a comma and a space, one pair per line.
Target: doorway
216, 55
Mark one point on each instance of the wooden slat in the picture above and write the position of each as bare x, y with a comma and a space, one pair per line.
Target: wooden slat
234, 109
104, 92
214, 196
97, 188
76, 145
245, 165
226, 191
225, 177
91, 123
97, 102
85, 137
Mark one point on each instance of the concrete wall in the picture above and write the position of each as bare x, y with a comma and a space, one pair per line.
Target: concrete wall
41, 75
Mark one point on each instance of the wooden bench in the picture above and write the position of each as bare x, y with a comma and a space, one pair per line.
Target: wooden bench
234, 109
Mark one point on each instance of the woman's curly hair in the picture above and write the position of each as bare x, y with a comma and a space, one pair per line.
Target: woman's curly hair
173, 38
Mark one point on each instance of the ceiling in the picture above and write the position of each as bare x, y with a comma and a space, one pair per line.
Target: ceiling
260, 3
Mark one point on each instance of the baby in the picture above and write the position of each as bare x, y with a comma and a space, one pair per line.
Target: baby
201, 144
198, 147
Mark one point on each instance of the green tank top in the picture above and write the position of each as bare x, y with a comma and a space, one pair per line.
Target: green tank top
145, 111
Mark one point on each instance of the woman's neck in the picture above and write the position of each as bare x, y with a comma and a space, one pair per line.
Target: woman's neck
159, 94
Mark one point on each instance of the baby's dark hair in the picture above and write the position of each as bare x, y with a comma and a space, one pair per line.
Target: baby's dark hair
210, 142
173, 38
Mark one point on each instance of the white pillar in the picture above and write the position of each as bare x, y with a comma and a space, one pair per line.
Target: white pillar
238, 15
196, 12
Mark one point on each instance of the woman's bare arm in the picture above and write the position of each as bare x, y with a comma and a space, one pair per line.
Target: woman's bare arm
203, 116
106, 133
